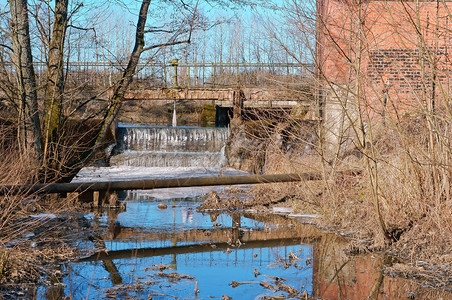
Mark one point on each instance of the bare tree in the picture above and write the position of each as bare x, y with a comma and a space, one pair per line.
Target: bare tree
381, 71
55, 77
50, 145
28, 120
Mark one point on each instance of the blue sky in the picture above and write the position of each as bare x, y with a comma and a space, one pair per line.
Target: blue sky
114, 21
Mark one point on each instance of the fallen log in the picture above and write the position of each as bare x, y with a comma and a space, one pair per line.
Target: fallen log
149, 184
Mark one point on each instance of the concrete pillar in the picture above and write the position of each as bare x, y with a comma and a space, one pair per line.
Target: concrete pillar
237, 104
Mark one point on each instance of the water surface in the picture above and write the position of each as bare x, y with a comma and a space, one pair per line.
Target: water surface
179, 253
213, 250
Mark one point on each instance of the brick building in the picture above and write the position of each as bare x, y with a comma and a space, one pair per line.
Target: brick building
395, 55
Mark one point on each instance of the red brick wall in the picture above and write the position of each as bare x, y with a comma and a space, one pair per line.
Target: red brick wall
405, 50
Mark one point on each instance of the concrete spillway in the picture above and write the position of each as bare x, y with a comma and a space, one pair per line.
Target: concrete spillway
152, 146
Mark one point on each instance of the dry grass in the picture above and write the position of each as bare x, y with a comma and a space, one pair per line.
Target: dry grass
31, 243
415, 187
412, 183
14, 169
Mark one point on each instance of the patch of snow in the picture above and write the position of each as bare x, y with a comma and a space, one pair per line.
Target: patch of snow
282, 210
117, 173
44, 216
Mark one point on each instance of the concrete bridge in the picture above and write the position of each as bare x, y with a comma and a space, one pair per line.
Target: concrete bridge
226, 102
224, 97
230, 88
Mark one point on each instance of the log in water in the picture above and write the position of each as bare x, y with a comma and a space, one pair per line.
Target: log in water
149, 184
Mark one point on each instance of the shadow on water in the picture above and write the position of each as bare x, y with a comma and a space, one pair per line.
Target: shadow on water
168, 253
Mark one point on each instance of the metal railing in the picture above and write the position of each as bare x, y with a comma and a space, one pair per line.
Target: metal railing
175, 74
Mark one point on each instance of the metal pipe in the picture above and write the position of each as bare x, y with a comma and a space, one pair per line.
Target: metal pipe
149, 184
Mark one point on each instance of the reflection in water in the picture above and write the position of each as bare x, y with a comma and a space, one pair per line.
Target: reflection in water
235, 254
111, 268
213, 249
338, 276
214, 271
187, 216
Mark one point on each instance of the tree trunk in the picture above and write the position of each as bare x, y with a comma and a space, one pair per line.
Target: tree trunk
118, 93
55, 75
127, 77
23, 61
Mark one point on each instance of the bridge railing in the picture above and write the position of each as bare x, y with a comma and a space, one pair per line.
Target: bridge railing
194, 75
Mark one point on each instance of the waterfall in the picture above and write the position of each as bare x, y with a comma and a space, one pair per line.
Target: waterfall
151, 146
174, 115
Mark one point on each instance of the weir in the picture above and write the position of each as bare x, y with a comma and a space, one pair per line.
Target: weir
149, 146
154, 146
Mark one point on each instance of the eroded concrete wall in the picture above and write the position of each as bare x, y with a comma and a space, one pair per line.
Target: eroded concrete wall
341, 124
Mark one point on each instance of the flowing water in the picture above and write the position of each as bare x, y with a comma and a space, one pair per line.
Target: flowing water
160, 247
151, 146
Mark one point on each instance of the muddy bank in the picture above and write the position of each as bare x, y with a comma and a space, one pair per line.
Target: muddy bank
236, 199
414, 227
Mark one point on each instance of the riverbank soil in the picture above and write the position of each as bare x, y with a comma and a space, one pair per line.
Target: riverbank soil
394, 204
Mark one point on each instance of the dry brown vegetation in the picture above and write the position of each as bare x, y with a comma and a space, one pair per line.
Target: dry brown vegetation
412, 182
374, 116
32, 240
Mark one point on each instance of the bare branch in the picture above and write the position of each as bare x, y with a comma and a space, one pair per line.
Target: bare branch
179, 31
6, 46
82, 28
160, 30
167, 44
192, 21
75, 11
